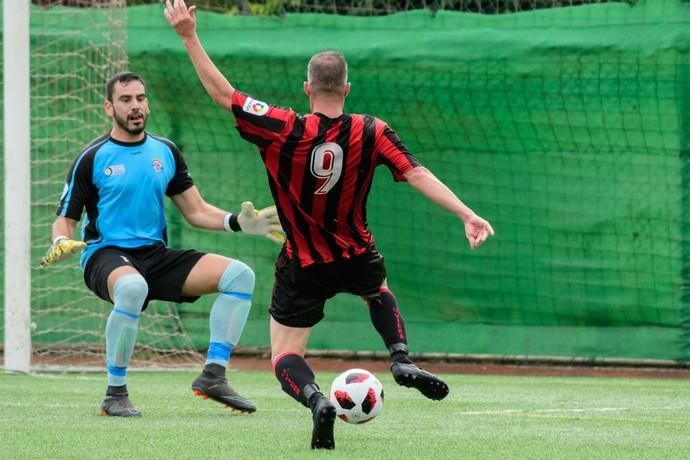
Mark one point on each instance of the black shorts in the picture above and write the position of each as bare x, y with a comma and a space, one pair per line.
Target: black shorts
165, 270
299, 294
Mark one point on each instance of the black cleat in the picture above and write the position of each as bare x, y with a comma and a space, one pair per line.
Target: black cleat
324, 417
409, 375
217, 389
119, 406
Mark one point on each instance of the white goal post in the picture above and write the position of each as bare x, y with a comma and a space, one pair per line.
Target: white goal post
17, 172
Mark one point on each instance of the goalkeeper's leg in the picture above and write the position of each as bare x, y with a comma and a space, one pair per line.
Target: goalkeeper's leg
227, 320
129, 293
389, 323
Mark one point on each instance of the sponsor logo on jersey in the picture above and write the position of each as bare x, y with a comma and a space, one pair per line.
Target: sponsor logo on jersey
114, 170
157, 165
255, 107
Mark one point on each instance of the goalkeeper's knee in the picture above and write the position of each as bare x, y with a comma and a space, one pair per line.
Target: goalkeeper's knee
129, 293
237, 280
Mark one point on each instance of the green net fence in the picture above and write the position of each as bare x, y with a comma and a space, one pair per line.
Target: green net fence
565, 127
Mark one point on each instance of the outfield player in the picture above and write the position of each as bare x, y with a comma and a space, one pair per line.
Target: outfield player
121, 178
320, 169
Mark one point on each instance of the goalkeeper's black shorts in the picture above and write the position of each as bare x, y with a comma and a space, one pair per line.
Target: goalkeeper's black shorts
165, 270
300, 293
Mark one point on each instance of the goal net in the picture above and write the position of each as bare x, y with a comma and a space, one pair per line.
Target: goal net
561, 121
564, 122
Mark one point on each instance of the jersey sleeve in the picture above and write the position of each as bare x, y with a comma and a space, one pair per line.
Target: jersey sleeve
258, 122
393, 153
78, 187
181, 180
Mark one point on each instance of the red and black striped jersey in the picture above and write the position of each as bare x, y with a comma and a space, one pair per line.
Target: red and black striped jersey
320, 172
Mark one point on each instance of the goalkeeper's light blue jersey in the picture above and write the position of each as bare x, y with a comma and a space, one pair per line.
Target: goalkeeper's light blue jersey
122, 186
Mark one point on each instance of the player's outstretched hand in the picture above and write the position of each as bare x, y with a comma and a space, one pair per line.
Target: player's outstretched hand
477, 230
181, 18
61, 248
262, 222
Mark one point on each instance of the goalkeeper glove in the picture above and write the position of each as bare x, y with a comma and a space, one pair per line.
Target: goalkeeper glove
61, 248
262, 222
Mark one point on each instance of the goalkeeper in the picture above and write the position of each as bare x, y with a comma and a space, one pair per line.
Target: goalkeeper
121, 179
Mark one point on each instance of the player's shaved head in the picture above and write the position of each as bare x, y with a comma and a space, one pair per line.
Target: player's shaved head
327, 73
123, 78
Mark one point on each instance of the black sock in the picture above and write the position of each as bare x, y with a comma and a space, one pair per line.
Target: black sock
294, 374
116, 391
311, 393
386, 318
214, 370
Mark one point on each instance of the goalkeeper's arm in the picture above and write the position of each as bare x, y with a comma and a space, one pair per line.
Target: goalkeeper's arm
201, 214
63, 242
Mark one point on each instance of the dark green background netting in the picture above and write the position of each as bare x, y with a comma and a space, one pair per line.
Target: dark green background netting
566, 128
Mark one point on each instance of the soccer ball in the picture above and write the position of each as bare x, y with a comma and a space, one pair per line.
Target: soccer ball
357, 395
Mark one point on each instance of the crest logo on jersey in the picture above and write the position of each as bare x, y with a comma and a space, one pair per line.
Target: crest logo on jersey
114, 170
255, 107
157, 165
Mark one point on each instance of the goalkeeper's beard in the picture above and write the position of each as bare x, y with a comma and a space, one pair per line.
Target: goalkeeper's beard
122, 122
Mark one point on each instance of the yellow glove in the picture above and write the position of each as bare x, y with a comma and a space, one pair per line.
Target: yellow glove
262, 222
61, 248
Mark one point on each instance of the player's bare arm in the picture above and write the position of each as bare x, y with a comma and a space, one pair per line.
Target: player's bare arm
477, 230
183, 20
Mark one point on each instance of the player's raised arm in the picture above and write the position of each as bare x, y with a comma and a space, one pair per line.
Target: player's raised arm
183, 20
477, 230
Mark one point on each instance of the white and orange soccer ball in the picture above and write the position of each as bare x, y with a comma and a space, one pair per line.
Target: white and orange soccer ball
357, 395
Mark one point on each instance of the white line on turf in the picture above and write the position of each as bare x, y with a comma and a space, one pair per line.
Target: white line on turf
33, 404
68, 377
544, 411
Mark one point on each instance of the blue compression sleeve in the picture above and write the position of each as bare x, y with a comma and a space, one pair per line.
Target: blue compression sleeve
230, 311
129, 294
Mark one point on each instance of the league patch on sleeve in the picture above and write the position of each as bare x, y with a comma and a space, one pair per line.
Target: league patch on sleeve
255, 107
